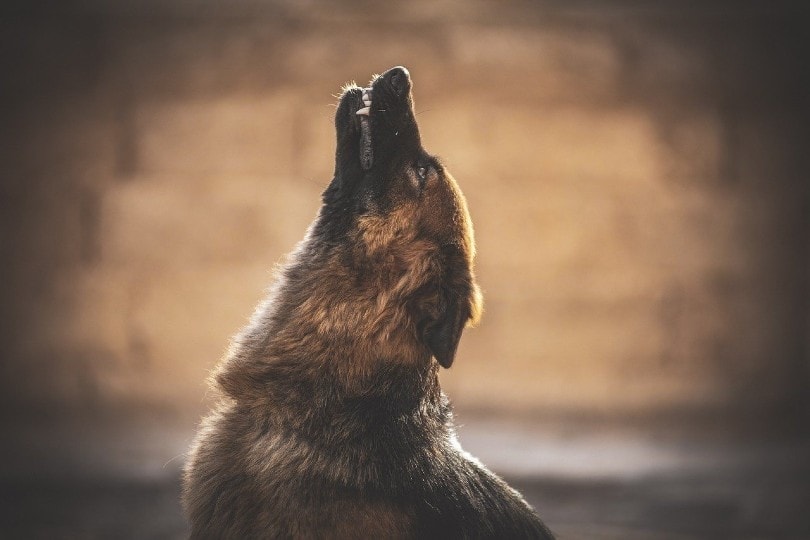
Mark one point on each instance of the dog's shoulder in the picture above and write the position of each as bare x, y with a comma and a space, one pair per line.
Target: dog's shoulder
463, 499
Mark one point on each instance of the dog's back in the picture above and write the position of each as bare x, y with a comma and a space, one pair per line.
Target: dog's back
332, 422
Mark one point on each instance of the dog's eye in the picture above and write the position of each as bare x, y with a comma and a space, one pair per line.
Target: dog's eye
422, 172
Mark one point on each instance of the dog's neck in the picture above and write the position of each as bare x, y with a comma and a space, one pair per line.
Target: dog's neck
334, 341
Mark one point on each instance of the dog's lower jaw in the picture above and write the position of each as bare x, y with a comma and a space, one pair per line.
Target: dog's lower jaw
366, 151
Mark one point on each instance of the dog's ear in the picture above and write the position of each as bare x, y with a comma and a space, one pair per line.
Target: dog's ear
443, 334
442, 330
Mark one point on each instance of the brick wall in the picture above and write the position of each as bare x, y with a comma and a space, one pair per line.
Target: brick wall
635, 179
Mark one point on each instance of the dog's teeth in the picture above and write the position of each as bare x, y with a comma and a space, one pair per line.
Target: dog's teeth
364, 111
367, 101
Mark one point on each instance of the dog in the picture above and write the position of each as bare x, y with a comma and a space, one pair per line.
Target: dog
332, 423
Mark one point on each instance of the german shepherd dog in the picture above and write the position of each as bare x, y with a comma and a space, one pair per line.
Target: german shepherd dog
332, 423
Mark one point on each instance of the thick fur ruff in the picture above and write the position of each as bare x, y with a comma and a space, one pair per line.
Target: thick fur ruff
332, 423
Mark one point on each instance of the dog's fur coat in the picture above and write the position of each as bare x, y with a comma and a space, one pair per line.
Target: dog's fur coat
332, 423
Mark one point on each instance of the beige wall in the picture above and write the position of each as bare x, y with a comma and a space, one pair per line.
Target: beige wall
640, 214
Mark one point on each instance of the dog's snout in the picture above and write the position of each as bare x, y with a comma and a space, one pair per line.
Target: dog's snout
399, 78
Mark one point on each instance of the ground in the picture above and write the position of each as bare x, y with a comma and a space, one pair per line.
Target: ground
593, 484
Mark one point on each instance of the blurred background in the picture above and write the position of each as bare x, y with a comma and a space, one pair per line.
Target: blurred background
636, 173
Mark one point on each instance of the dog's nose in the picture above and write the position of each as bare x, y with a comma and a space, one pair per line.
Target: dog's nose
399, 78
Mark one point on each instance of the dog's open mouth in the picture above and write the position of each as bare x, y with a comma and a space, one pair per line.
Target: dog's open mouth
366, 150
383, 109
366, 110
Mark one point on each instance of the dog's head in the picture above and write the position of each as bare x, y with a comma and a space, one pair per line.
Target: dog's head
401, 213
